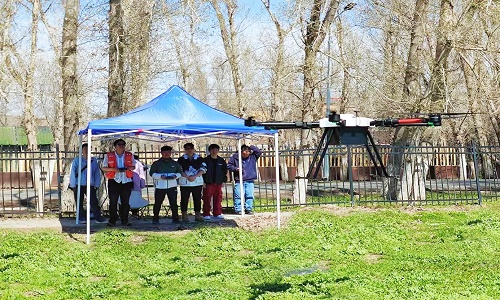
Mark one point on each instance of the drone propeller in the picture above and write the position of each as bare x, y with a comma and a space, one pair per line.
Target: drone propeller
446, 114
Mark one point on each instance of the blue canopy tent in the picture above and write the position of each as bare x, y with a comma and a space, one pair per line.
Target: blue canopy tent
173, 115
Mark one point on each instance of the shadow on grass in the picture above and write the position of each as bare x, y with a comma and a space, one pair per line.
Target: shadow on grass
142, 225
271, 287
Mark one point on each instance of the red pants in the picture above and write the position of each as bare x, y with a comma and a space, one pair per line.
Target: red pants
212, 191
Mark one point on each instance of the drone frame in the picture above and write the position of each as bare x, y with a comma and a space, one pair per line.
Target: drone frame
347, 129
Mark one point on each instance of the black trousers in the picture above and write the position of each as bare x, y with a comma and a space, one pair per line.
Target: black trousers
94, 203
185, 192
171, 194
119, 190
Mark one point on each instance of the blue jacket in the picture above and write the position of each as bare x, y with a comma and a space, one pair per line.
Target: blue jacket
249, 165
95, 173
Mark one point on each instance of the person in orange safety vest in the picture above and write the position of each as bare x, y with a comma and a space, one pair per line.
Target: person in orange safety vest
118, 167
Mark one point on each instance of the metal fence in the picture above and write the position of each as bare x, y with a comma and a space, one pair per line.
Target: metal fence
31, 182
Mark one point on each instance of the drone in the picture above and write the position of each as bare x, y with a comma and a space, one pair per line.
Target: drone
348, 129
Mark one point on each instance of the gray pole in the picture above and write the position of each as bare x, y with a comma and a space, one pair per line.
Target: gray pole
326, 159
476, 170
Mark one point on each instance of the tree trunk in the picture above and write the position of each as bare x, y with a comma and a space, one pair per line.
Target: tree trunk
438, 83
139, 17
29, 119
315, 33
416, 167
475, 90
116, 80
229, 39
71, 105
412, 94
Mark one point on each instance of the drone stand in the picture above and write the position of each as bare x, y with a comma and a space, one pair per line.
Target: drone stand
353, 136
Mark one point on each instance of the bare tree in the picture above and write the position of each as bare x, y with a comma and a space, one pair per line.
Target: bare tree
280, 72
6, 14
412, 92
23, 72
70, 107
227, 25
321, 15
138, 16
116, 80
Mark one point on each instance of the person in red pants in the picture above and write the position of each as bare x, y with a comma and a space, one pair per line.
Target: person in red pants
215, 176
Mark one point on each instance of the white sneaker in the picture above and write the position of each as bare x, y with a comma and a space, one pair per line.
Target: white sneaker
206, 218
220, 217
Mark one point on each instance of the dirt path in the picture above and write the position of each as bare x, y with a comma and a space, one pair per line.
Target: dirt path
256, 222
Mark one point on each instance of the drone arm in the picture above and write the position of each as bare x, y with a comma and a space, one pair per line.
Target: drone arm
432, 120
281, 125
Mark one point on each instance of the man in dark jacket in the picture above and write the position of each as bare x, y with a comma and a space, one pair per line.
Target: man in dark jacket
165, 172
215, 176
249, 157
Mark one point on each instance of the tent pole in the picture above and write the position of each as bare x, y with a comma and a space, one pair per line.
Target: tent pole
277, 170
240, 171
78, 181
89, 167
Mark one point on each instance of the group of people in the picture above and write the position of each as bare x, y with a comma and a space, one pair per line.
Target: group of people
201, 178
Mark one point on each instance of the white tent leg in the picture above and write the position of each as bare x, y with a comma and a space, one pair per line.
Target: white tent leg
78, 182
89, 168
277, 170
240, 171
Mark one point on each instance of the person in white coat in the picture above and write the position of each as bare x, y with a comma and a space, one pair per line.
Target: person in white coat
191, 182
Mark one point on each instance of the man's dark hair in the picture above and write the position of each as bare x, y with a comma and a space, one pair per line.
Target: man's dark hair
166, 148
118, 141
244, 147
85, 145
213, 146
188, 145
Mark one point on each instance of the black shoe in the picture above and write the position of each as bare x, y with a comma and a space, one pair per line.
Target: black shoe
248, 212
111, 224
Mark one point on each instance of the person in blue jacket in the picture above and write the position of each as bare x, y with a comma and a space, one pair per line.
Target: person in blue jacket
95, 182
249, 157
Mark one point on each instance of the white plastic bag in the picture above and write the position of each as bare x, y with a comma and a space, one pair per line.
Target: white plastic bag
136, 200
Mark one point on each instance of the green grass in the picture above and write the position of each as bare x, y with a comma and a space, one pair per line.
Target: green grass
384, 253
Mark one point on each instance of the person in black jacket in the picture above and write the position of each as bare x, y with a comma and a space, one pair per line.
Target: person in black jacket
214, 177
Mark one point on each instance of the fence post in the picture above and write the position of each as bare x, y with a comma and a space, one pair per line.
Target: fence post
349, 172
476, 170
59, 179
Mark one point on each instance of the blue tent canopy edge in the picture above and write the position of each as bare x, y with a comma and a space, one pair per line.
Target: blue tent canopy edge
174, 112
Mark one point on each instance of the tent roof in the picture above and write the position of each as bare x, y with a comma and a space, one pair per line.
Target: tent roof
175, 114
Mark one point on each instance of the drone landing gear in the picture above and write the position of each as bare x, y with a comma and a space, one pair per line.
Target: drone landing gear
346, 136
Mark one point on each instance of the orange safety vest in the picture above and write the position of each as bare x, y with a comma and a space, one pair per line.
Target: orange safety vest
112, 164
